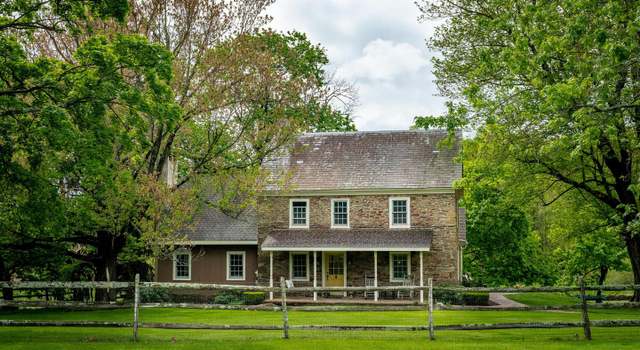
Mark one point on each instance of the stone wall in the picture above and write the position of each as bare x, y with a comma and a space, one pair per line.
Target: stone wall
436, 212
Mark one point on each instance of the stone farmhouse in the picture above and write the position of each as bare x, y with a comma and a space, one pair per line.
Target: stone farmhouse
350, 209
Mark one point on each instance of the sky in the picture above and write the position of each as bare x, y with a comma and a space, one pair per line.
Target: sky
379, 46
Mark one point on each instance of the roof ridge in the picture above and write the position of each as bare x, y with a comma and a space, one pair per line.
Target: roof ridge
361, 132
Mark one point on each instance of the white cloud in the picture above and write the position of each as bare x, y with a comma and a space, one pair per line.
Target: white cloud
384, 60
377, 44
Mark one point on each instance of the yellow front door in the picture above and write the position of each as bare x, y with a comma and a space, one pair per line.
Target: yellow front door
334, 269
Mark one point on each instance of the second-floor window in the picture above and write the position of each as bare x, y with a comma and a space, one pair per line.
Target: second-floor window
299, 213
339, 213
399, 212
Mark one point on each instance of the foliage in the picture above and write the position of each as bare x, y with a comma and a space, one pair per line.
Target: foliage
154, 295
557, 82
253, 298
502, 249
102, 100
475, 298
228, 297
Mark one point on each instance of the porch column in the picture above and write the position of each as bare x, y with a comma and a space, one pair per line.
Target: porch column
375, 274
421, 279
271, 274
315, 275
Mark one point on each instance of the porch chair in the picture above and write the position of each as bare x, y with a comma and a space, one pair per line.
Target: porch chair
369, 281
406, 282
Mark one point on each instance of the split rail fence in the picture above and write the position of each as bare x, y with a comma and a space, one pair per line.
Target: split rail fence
429, 326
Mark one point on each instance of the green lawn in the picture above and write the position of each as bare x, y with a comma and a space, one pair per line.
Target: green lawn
103, 338
551, 299
235, 317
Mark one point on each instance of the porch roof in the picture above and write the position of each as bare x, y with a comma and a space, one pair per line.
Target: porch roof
348, 240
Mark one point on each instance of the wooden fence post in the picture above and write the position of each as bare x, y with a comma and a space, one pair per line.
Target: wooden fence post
136, 306
285, 315
432, 336
586, 324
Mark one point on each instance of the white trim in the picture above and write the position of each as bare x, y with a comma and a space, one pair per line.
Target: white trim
375, 274
344, 249
421, 278
244, 265
291, 254
271, 274
344, 259
391, 224
333, 200
291, 225
173, 263
391, 254
367, 191
315, 274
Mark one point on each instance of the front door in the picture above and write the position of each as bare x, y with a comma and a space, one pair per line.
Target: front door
334, 269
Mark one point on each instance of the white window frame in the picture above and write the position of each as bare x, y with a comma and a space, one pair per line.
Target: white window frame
181, 251
333, 224
391, 255
291, 254
306, 200
391, 224
244, 265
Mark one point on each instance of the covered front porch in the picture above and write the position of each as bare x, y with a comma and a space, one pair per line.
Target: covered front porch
350, 258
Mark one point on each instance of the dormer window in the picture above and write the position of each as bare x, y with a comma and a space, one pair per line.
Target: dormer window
340, 213
399, 212
299, 213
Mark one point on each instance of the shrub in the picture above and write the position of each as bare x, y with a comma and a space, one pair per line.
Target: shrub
253, 298
447, 297
227, 297
475, 298
154, 295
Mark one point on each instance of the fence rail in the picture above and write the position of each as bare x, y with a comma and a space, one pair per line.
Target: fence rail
429, 326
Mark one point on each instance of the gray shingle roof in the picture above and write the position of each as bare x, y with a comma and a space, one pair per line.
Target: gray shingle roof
211, 224
358, 239
370, 160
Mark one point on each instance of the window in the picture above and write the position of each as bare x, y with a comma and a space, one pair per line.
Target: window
399, 212
340, 213
399, 266
182, 265
299, 213
299, 266
235, 266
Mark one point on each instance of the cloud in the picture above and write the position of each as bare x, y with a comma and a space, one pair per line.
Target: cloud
384, 60
379, 46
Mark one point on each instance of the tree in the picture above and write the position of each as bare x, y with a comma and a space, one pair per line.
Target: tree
560, 82
502, 247
54, 113
239, 96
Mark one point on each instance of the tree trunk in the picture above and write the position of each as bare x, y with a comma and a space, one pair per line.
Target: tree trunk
603, 276
633, 248
105, 271
7, 293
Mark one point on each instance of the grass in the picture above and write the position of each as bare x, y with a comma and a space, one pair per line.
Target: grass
235, 317
104, 338
550, 299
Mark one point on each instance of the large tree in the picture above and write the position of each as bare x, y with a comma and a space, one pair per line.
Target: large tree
231, 96
560, 80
